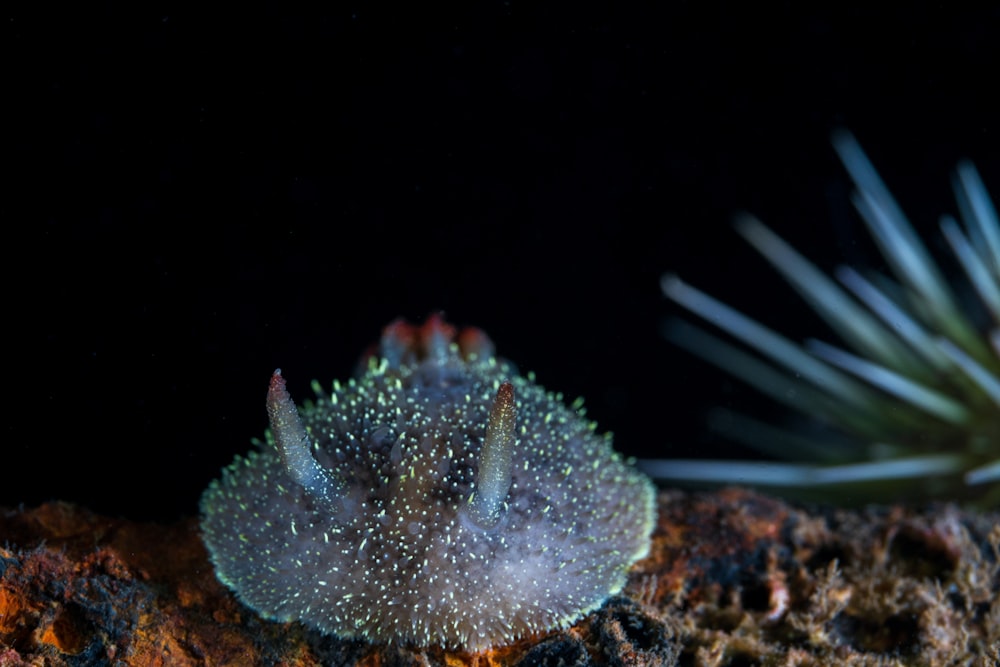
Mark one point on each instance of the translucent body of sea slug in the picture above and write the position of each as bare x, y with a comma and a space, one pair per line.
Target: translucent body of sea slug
438, 499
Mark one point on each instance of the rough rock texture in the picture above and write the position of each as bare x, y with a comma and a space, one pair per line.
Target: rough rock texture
753, 581
734, 578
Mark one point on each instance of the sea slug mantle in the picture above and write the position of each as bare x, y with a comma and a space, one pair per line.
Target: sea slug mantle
438, 499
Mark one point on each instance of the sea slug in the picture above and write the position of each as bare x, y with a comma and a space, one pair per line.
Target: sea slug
439, 499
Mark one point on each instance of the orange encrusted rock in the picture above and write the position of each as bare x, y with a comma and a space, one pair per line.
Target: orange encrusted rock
733, 578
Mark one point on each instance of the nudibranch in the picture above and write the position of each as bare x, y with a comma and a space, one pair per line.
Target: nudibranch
438, 499
909, 404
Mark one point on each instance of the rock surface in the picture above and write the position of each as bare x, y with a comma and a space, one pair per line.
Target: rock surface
734, 578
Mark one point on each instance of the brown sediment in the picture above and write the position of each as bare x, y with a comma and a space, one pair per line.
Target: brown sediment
734, 578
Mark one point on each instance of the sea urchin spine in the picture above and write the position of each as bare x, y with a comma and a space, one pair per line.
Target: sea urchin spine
914, 403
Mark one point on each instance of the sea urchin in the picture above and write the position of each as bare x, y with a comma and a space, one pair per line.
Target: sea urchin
913, 401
